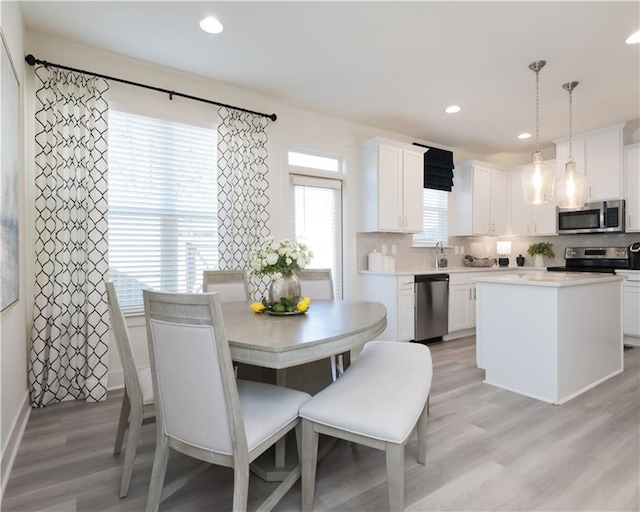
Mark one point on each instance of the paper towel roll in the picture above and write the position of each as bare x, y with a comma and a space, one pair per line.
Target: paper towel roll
375, 261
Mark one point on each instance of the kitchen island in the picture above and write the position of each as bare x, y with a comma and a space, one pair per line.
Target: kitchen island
549, 335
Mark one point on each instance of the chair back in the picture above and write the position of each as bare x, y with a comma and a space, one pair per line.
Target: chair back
231, 285
316, 284
123, 342
196, 393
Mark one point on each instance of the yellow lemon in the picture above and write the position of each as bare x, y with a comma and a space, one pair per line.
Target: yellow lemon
257, 307
306, 300
302, 306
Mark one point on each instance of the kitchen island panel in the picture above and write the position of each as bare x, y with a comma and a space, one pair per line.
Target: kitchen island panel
514, 346
589, 348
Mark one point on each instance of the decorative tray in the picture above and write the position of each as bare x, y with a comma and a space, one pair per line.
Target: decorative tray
283, 313
472, 261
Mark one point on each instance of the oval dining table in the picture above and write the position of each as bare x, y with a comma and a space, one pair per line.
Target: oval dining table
284, 342
328, 327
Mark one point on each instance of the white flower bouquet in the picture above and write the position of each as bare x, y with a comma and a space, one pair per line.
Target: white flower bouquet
279, 258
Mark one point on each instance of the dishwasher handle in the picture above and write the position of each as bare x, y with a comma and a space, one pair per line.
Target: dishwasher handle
427, 278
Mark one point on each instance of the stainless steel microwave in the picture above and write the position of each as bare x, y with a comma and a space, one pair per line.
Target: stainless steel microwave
596, 217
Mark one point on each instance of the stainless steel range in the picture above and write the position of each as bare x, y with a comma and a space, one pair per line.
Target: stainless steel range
594, 259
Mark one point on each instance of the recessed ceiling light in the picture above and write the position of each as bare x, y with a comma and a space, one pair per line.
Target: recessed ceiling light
211, 25
633, 38
452, 109
524, 136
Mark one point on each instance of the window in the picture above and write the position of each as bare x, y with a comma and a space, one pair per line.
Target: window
318, 223
310, 161
434, 218
317, 205
163, 220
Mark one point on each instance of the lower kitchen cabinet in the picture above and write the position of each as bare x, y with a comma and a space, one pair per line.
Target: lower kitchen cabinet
398, 296
462, 306
631, 307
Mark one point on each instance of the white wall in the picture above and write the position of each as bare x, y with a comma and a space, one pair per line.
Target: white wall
13, 324
295, 128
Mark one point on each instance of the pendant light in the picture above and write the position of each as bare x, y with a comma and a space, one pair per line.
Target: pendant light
572, 187
537, 178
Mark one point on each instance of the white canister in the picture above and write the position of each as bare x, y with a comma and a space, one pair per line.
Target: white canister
375, 261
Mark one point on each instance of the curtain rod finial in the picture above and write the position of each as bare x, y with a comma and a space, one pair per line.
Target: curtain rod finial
31, 60
273, 117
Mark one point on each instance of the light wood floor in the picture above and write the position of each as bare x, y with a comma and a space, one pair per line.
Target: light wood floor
488, 449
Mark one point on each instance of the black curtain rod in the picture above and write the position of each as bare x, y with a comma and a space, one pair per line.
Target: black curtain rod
32, 61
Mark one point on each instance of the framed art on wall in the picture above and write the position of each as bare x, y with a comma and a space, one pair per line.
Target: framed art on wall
9, 147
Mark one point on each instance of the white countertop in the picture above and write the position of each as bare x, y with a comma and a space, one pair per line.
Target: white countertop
450, 270
553, 279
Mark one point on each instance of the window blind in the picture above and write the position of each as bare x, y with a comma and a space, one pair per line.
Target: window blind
317, 217
162, 205
434, 217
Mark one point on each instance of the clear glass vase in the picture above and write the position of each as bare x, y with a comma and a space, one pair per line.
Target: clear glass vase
287, 287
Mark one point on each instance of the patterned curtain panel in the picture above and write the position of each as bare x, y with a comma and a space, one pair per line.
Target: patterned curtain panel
69, 356
242, 192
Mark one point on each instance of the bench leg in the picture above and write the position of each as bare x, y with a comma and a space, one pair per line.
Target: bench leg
395, 476
309, 463
422, 434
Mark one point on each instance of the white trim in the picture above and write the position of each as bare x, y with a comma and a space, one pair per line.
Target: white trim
310, 181
13, 443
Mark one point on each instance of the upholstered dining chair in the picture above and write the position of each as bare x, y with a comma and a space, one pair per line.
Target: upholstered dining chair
317, 284
137, 402
202, 410
377, 402
231, 285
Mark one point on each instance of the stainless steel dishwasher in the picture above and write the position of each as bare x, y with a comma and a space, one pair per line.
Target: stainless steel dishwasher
432, 306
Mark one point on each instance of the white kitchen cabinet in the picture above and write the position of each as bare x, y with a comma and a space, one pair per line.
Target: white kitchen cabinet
480, 203
527, 219
462, 302
632, 187
631, 307
599, 156
392, 184
398, 296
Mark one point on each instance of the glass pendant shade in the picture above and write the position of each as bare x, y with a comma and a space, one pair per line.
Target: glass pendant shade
571, 189
538, 180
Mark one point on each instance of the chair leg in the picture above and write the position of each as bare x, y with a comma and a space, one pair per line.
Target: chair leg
422, 434
157, 474
299, 442
135, 426
122, 422
309, 463
240, 487
395, 476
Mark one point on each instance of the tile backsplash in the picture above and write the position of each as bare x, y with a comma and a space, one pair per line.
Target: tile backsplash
408, 258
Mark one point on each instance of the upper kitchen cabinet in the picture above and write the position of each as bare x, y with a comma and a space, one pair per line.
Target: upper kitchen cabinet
479, 205
527, 219
392, 184
599, 155
632, 186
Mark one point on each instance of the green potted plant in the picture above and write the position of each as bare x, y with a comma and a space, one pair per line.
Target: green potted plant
539, 250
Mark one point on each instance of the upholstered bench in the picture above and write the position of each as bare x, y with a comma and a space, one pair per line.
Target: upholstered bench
376, 402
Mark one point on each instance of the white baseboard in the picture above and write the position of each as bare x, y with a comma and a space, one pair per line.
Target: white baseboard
13, 444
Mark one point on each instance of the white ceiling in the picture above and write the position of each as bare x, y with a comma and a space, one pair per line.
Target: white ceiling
392, 65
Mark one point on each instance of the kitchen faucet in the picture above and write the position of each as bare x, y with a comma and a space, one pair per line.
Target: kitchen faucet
438, 243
